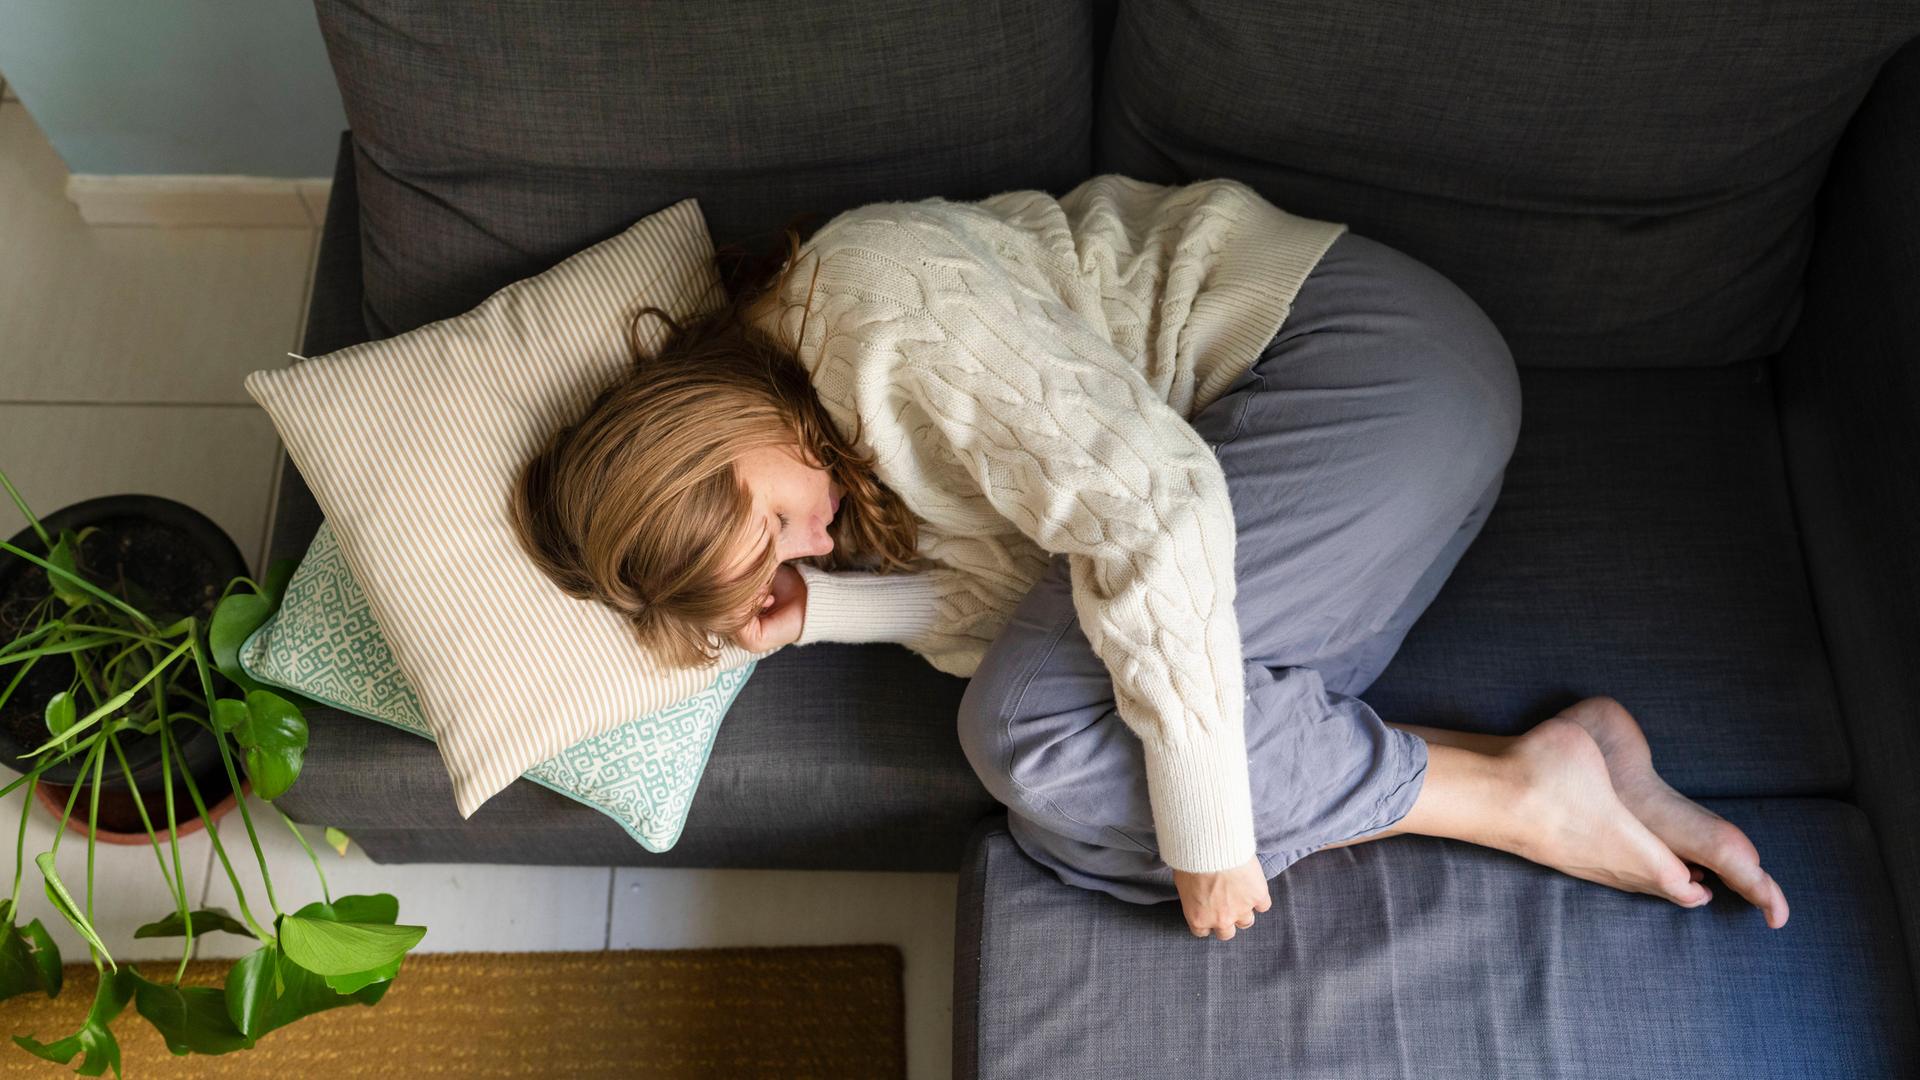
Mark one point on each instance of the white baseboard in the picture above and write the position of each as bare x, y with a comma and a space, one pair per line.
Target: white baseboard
200, 200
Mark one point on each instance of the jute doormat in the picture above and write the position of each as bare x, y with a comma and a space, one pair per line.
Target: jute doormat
791, 1012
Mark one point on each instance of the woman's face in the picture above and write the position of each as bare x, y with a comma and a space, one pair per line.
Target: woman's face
792, 501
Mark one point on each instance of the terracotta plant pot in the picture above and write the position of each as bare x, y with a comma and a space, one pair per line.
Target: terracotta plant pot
54, 798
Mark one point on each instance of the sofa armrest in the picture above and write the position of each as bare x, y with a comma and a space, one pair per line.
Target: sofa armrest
334, 320
1849, 385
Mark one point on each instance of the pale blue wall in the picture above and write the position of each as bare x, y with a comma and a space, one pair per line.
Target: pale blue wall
176, 86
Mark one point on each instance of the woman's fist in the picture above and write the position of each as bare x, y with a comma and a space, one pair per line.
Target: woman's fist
1224, 902
781, 614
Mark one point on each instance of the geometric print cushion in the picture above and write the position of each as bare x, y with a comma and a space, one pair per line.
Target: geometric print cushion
323, 642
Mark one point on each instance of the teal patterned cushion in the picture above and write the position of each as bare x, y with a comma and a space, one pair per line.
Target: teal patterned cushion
323, 643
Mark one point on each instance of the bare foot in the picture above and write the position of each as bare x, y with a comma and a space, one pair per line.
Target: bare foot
1694, 832
1580, 827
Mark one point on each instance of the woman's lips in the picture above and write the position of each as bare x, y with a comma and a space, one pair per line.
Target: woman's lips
836, 506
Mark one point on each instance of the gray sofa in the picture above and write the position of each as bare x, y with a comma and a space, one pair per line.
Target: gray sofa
1698, 225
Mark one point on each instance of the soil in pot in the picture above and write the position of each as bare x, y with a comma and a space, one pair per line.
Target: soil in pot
161, 572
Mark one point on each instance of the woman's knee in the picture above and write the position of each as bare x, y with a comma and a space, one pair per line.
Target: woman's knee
981, 725
1464, 391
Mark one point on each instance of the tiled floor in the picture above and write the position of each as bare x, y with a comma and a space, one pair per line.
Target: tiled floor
122, 351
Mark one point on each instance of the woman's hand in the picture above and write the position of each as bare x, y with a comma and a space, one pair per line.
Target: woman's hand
1222, 901
781, 616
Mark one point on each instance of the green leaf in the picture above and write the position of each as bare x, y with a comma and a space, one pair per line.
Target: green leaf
348, 984
229, 714
29, 960
205, 921
61, 555
275, 737
63, 903
279, 572
365, 907
46, 955
250, 994
345, 948
193, 1019
337, 840
265, 990
97, 1045
240, 614
61, 713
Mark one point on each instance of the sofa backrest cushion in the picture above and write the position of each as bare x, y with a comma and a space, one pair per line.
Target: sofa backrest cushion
495, 139
1616, 183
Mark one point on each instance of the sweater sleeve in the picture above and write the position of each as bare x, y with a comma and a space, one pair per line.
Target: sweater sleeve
1068, 441
948, 616
861, 606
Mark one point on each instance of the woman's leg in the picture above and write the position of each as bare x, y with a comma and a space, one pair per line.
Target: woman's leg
1362, 452
1460, 801
1545, 796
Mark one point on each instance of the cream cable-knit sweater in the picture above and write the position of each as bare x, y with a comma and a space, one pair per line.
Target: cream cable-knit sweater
1025, 368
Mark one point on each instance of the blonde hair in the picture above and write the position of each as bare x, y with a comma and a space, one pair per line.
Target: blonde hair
639, 504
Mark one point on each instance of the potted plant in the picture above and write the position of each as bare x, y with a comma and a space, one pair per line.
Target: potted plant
169, 560
144, 670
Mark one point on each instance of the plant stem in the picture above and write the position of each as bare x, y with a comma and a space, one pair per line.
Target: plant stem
118, 631
240, 803
213, 834
173, 834
140, 804
81, 582
311, 857
112, 703
21, 674
20, 643
94, 748
179, 891
43, 766
93, 809
233, 775
20, 843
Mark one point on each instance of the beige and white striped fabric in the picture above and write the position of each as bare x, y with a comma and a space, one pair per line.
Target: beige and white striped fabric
410, 446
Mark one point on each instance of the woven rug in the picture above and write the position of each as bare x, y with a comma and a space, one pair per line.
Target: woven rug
790, 1012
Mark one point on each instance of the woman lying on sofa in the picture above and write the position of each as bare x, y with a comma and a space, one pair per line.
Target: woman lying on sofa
1167, 473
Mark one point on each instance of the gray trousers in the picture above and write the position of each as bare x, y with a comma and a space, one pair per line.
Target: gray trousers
1363, 451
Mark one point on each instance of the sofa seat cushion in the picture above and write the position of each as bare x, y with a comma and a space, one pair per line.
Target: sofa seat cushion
1418, 957
1643, 547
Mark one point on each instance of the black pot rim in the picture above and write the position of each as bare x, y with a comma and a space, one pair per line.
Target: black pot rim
200, 531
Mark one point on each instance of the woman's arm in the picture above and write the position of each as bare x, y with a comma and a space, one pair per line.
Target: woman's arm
1069, 442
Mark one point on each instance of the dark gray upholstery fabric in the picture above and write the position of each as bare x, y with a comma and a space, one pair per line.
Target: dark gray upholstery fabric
494, 140
333, 315
1419, 958
839, 758
1850, 407
1616, 183
1643, 547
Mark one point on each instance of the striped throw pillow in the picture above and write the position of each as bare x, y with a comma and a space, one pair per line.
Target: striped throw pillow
410, 445
324, 644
